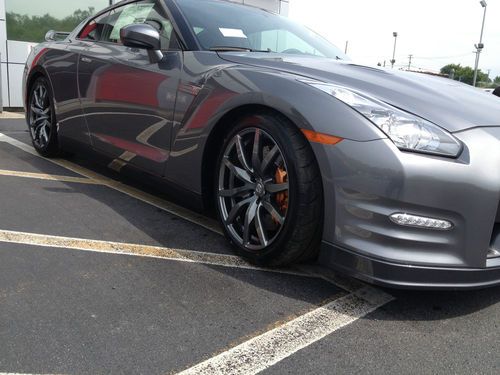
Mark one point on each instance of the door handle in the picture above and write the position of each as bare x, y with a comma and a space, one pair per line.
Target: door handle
86, 60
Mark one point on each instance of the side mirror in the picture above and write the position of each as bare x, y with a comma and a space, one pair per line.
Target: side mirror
55, 36
143, 36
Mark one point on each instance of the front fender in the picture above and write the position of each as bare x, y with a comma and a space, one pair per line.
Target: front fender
226, 90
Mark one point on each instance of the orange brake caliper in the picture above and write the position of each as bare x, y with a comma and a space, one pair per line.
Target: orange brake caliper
281, 198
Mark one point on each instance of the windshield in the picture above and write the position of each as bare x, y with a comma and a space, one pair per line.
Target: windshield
221, 25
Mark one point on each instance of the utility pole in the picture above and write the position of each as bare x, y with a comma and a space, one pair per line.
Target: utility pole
346, 46
480, 46
393, 61
410, 57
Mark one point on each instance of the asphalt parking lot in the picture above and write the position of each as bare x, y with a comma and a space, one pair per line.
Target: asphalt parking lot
100, 275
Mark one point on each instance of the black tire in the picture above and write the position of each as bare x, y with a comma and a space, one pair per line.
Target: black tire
299, 235
41, 118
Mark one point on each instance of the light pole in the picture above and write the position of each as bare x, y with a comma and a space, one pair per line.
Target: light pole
480, 46
393, 61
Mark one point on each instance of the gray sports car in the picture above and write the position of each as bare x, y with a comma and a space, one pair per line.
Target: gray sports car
389, 176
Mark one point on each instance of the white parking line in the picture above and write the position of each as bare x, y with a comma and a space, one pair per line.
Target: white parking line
201, 257
172, 208
50, 177
264, 351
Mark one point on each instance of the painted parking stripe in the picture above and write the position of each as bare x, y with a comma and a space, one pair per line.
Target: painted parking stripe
162, 204
50, 177
266, 350
213, 259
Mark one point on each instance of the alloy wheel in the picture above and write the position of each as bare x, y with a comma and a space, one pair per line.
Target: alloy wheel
253, 189
40, 116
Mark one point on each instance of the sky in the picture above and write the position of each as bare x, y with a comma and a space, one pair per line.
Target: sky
435, 32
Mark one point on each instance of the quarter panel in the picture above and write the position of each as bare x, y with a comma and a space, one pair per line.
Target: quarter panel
59, 62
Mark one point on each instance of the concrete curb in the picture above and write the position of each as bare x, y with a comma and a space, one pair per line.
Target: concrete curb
12, 115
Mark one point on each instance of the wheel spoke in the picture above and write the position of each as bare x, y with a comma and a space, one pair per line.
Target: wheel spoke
43, 133
38, 119
43, 94
273, 212
237, 208
238, 172
260, 228
38, 127
241, 154
249, 218
36, 100
270, 157
256, 163
231, 193
38, 111
276, 188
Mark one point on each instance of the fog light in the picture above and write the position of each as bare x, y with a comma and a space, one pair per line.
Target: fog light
420, 222
492, 253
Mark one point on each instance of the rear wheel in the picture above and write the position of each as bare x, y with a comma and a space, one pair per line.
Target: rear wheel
41, 119
269, 192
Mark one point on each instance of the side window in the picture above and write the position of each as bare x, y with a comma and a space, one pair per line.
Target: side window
141, 12
95, 28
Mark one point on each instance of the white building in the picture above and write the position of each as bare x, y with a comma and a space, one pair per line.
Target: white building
16, 39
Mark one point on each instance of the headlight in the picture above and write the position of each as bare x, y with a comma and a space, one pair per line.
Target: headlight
407, 131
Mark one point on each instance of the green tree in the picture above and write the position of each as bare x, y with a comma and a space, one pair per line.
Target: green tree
496, 81
464, 74
24, 28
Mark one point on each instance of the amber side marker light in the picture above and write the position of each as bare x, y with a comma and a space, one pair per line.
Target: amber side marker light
321, 138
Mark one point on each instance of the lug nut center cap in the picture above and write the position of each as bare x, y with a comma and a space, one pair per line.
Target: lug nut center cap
260, 189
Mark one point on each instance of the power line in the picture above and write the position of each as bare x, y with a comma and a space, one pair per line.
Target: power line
442, 57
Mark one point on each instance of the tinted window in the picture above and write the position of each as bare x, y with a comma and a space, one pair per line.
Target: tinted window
138, 13
223, 24
95, 28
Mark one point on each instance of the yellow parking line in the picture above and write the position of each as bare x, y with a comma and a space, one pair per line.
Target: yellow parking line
51, 177
200, 257
164, 205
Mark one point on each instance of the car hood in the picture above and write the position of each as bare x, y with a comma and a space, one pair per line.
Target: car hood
447, 103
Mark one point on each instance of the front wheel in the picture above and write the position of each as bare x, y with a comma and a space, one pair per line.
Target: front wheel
269, 192
41, 119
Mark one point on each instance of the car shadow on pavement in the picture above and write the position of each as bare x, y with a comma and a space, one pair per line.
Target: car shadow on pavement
167, 230
440, 305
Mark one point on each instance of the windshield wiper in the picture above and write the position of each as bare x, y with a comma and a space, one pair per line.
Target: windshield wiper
237, 49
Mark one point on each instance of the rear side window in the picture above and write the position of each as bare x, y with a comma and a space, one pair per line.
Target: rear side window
106, 28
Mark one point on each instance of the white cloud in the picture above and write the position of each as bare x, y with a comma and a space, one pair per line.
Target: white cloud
436, 32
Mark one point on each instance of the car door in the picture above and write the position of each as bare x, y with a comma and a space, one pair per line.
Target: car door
127, 99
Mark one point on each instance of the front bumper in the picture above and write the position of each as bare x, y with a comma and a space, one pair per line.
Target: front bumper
366, 182
403, 276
